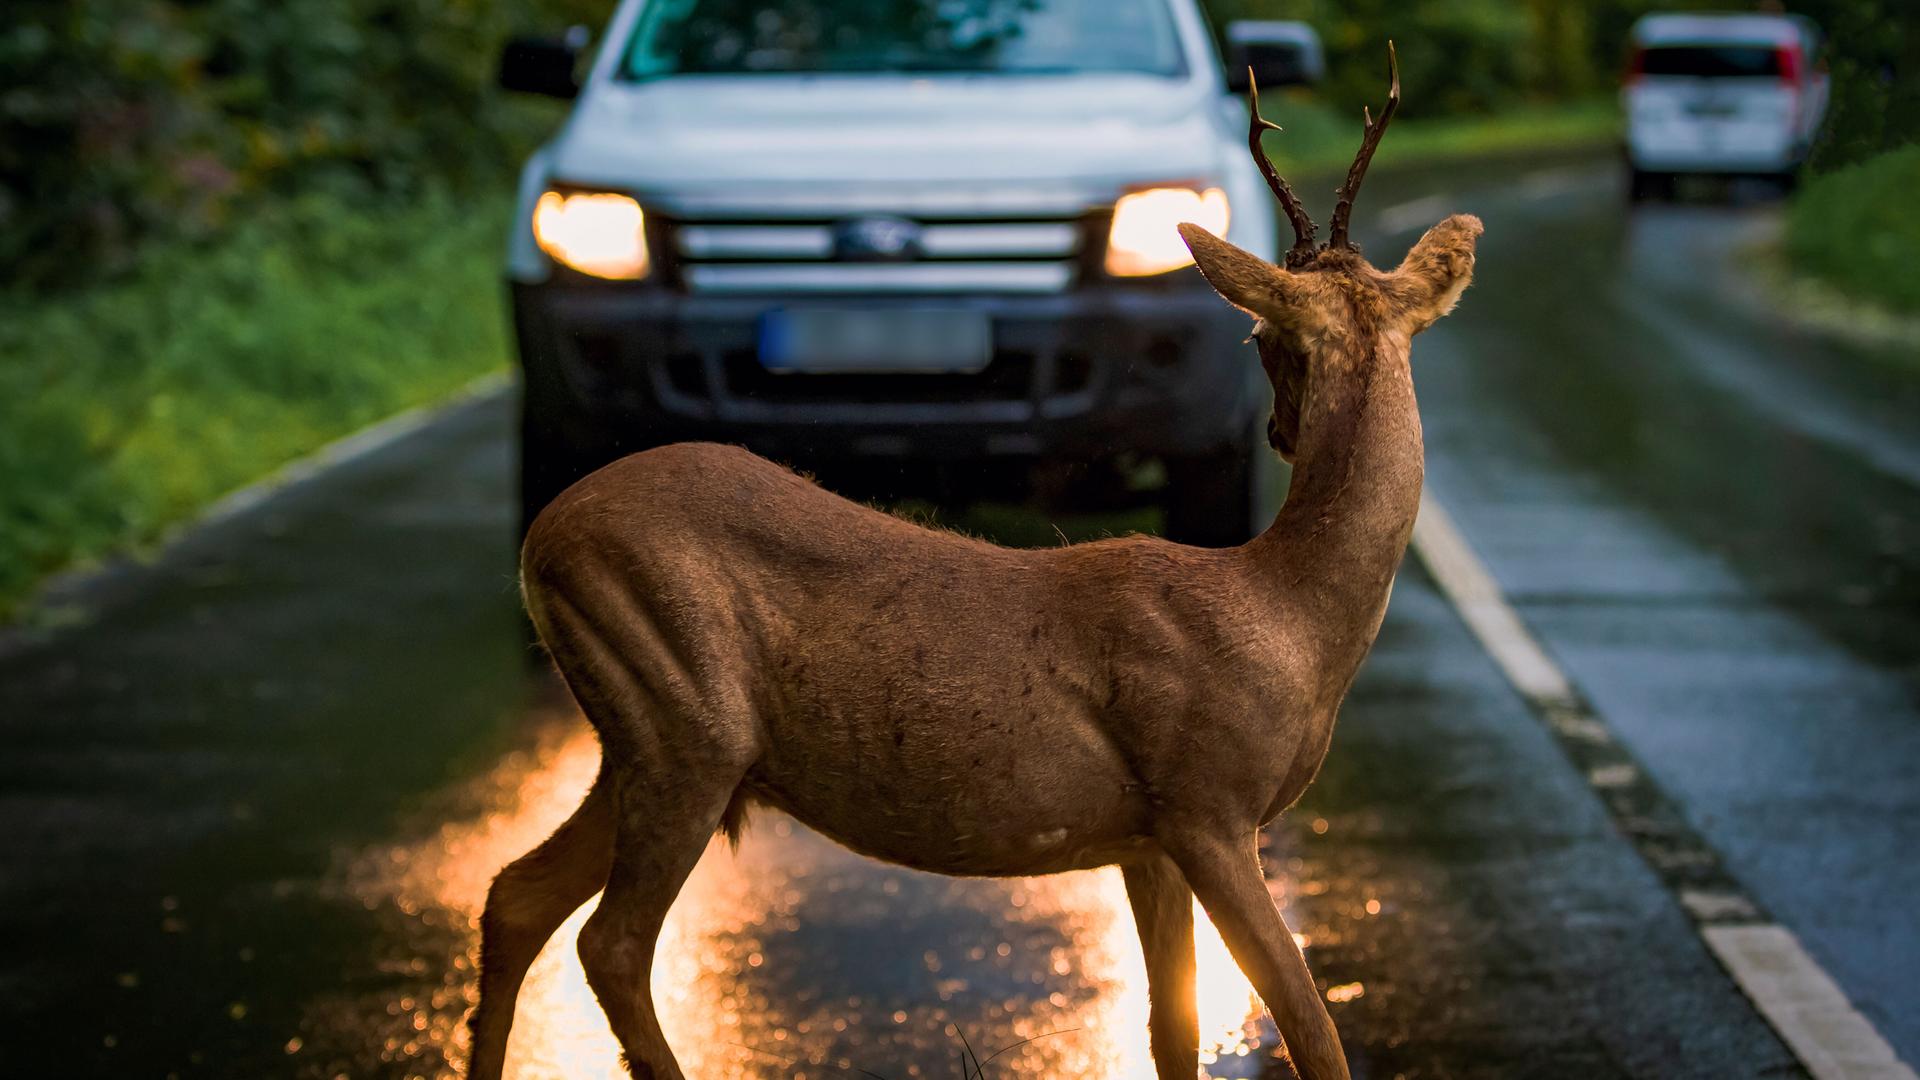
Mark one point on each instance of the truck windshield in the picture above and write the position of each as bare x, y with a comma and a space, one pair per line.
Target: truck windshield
1013, 37
1712, 61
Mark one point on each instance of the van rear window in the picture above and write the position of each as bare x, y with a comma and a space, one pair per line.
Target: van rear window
1711, 61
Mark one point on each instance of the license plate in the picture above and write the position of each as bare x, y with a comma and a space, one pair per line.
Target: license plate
879, 340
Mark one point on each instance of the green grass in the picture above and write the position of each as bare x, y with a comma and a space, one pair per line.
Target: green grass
130, 407
1317, 139
1857, 229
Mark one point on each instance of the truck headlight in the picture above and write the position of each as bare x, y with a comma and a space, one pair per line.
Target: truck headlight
598, 233
1145, 239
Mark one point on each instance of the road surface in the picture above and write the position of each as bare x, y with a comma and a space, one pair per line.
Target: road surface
254, 791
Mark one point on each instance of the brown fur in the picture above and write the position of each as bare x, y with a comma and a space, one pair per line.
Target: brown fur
736, 633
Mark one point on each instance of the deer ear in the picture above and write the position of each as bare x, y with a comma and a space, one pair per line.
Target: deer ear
1247, 281
1436, 271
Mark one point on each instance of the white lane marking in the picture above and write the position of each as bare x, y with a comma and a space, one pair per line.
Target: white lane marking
1409, 216
1803, 1003
1795, 996
1419, 214
1545, 183
1715, 906
1465, 580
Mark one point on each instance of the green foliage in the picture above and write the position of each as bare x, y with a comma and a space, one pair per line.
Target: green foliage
130, 406
1874, 57
127, 119
1857, 228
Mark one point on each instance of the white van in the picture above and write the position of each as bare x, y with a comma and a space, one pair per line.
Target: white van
887, 241
1721, 94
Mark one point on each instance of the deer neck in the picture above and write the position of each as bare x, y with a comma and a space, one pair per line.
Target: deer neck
1329, 558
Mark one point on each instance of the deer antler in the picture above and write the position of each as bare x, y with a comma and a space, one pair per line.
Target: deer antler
1343, 209
1303, 227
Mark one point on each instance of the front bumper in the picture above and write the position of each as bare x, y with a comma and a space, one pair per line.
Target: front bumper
1154, 369
1683, 149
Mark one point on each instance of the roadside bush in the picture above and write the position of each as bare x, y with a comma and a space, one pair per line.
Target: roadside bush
1874, 56
166, 119
1857, 228
130, 406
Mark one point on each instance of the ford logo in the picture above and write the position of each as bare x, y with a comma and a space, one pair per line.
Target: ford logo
876, 239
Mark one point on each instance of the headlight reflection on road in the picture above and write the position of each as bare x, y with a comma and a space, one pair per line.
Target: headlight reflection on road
794, 955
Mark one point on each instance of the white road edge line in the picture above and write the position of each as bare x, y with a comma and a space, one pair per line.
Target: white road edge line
1416, 215
358, 444
1410, 216
1803, 1003
1546, 183
1796, 997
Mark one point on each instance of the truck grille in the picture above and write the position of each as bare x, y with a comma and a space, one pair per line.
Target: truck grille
815, 257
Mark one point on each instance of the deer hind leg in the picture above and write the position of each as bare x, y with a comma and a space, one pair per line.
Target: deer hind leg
1163, 911
664, 824
1225, 875
526, 904
673, 752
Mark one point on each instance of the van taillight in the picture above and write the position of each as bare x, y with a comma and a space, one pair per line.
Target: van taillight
1787, 59
1636, 66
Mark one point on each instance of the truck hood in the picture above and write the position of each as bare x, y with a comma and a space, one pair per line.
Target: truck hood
697, 136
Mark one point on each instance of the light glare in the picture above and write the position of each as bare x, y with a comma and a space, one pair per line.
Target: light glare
1145, 239
598, 233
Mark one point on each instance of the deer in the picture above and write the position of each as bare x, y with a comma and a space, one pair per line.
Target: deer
740, 637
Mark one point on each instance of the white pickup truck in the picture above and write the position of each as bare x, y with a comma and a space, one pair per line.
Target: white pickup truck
923, 241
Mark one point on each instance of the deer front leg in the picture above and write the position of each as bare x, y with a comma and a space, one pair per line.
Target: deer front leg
1163, 911
1225, 874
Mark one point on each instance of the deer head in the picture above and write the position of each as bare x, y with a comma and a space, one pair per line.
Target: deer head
1326, 309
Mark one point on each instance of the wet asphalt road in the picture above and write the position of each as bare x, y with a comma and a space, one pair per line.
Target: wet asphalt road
253, 793
1711, 517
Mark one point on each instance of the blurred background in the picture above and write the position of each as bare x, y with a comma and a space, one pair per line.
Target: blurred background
266, 734
231, 231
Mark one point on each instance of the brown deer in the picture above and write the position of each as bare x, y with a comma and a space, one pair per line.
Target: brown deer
739, 636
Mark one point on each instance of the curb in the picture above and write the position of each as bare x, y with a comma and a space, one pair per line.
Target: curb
254, 494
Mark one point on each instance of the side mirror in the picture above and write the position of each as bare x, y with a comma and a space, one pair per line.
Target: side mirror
1280, 53
543, 65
